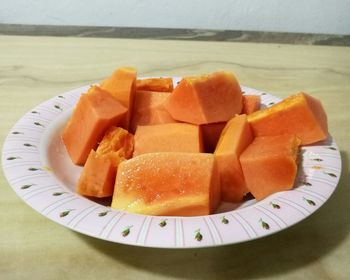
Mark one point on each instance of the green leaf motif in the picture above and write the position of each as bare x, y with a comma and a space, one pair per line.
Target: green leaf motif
271, 103
17, 132
332, 148
65, 213
224, 220
198, 236
275, 205
309, 201
163, 223
330, 174
126, 231
58, 107
306, 183
60, 96
264, 224
29, 145
12, 158
58, 193
39, 124
27, 186
317, 159
104, 213
35, 112
33, 169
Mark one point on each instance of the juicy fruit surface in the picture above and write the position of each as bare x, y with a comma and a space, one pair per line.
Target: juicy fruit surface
168, 183
98, 176
269, 164
206, 99
171, 137
95, 112
149, 109
298, 114
155, 84
116, 141
121, 85
234, 139
251, 104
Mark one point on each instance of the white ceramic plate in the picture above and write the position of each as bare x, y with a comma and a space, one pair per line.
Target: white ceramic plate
38, 169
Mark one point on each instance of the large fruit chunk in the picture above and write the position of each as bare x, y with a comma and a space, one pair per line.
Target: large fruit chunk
155, 84
149, 109
171, 184
269, 164
206, 99
121, 85
98, 176
171, 137
234, 139
94, 113
251, 103
298, 114
211, 133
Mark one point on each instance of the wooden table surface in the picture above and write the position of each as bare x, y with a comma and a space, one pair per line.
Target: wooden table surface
33, 69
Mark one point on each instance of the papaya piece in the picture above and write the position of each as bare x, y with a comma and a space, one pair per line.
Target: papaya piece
300, 114
94, 113
171, 137
121, 85
149, 109
234, 139
251, 103
155, 84
212, 98
171, 184
269, 164
98, 176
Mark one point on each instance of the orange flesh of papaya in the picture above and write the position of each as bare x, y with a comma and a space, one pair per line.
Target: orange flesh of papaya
298, 114
94, 113
211, 133
155, 84
149, 109
117, 143
98, 176
171, 137
216, 97
171, 184
234, 139
269, 164
251, 103
121, 85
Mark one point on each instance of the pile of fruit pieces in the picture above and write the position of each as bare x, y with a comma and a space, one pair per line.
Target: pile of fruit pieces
180, 151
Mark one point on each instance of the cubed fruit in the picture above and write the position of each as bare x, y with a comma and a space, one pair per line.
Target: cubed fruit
149, 109
122, 85
168, 184
300, 114
171, 137
269, 164
94, 113
98, 176
155, 84
206, 99
234, 139
251, 103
